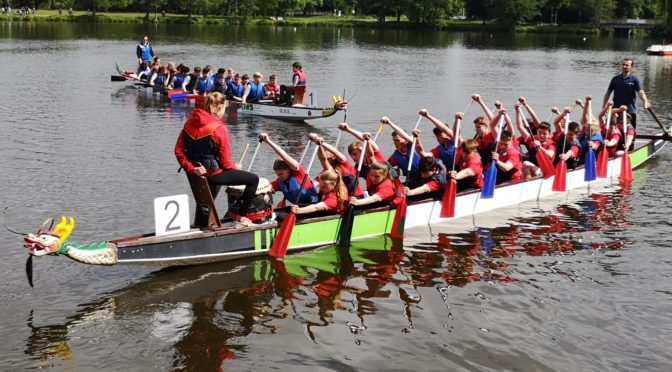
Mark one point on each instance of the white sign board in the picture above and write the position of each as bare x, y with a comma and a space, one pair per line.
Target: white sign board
171, 214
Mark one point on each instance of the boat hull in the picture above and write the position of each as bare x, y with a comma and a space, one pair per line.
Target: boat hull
269, 110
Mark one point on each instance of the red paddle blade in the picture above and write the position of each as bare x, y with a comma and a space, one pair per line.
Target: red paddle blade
397, 231
626, 168
279, 247
602, 160
448, 202
560, 181
546, 165
173, 92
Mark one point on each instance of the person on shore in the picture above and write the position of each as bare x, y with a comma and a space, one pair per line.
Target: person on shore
144, 51
626, 87
205, 140
291, 175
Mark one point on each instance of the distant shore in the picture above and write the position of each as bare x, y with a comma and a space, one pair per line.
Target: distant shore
316, 21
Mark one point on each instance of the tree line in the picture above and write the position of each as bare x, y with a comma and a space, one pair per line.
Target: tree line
507, 13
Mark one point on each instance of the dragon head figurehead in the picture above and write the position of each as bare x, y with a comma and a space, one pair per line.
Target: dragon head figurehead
48, 240
339, 103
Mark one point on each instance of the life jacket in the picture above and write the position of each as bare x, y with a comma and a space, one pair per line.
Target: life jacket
290, 189
160, 79
237, 90
571, 162
585, 141
438, 176
146, 52
447, 154
178, 80
204, 84
402, 161
199, 144
272, 88
256, 91
302, 78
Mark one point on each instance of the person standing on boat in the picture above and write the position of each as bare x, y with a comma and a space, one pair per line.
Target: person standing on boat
144, 51
205, 140
291, 174
626, 86
294, 93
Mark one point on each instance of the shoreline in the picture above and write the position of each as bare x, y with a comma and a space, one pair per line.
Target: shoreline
316, 21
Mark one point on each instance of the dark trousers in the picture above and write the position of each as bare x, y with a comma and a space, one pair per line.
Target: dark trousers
236, 177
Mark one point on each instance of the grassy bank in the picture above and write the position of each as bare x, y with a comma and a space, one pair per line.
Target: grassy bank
317, 21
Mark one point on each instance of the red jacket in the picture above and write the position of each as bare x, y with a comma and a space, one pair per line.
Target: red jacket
210, 136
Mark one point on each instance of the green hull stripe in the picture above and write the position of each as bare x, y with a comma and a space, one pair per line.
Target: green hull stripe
257, 240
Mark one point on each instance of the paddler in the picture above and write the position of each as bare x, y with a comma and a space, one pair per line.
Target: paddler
254, 91
205, 140
445, 151
402, 144
541, 141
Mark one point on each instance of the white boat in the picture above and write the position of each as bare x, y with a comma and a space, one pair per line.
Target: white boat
659, 50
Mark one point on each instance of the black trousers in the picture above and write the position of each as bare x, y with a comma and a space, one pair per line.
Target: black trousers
236, 177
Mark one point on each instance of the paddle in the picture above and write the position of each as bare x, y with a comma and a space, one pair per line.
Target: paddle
603, 158
380, 129
626, 167
490, 179
348, 217
279, 247
543, 161
242, 157
655, 117
254, 156
560, 181
450, 193
397, 231
117, 78
590, 172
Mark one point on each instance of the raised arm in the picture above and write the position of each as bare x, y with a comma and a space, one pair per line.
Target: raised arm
485, 108
402, 133
293, 164
418, 145
560, 117
585, 117
437, 123
359, 135
604, 113
520, 123
533, 114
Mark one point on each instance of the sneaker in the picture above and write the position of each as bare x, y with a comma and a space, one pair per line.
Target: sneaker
245, 221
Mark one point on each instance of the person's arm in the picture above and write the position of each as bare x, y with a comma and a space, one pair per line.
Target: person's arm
485, 108
560, 117
504, 166
364, 201
337, 154
293, 164
321, 153
418, 145
437, 123
138, 52
402, 133
151, 81
221, 139
417, 191
645, 100
509, 124
321, 206
248, 89
494, 123
604, 113
533, 114
607, 95
359, 135
519, 122
466, 172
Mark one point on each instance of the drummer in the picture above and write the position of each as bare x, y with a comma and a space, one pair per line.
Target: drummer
291, 175
205, 140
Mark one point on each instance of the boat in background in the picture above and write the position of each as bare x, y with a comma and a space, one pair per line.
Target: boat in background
659, 50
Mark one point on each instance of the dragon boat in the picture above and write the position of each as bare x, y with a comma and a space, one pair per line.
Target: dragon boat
229, 241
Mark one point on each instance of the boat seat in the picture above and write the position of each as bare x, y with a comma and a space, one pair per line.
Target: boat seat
298, 95
206, 213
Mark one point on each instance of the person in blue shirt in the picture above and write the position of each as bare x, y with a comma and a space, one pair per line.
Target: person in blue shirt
144, 51
626, 87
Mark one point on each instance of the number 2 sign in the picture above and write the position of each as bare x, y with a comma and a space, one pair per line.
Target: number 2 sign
171, 214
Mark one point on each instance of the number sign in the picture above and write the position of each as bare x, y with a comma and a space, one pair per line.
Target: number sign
171, 214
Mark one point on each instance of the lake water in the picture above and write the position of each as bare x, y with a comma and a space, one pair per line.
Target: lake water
579, 282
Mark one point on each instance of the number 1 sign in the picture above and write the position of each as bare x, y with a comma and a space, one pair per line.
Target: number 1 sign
171, 214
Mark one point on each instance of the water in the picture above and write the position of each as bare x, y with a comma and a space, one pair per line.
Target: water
573, 283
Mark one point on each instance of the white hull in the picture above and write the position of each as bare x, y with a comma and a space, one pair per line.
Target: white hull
283, 112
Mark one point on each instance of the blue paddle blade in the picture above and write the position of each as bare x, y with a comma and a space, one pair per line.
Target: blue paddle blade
489, 182
591, 171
